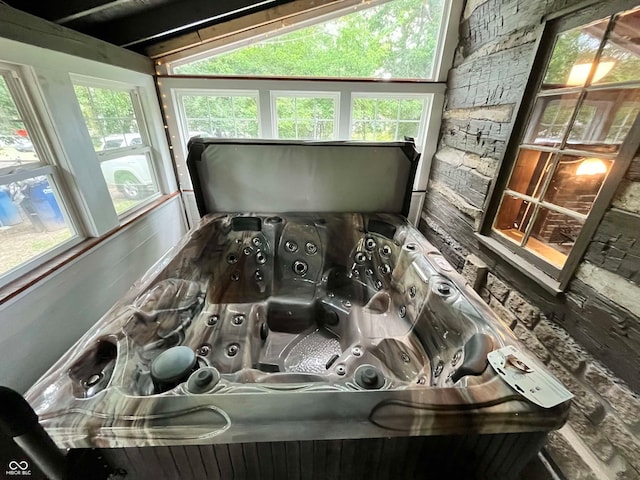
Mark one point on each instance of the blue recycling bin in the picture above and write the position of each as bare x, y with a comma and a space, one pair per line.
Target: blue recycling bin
9, 214
45, 206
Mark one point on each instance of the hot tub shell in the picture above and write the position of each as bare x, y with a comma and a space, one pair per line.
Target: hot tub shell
285, 311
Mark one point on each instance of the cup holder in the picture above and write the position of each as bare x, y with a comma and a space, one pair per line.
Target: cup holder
91, 373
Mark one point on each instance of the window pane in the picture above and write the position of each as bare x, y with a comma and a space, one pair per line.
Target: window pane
397, 39
572, 56
221, 116
15, 146
529, 172
553, 235
305, 118
620, 59
576, 182
385, 119
604, 120
550, 119
109, 116
513, 217
130, 180
31, 221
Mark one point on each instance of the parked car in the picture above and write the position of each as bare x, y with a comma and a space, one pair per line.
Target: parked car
23, 145
131, 175
120, 140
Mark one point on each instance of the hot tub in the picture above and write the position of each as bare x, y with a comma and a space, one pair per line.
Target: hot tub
308, 345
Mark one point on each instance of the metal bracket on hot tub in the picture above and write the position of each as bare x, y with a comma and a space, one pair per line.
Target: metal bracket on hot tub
526, 376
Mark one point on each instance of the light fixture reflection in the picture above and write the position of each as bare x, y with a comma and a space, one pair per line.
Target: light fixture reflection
591, 166
580, 72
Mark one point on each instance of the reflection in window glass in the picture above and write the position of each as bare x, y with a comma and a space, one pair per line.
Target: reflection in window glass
553, 235
305, 118
15, 146
514, 217
221, 116
385, 119
621, 53
31, 221
622, 122
573, 55
550, 119
529, 172
110, 117
130, 180
576, 181
604, 119
397, 39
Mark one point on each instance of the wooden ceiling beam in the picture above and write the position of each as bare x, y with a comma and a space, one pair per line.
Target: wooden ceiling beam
64, 12
169, 18
85, 8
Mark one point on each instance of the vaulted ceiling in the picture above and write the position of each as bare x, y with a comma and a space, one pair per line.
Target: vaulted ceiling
135, 24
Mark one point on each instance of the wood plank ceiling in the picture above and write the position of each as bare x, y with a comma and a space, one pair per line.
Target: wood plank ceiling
135, 24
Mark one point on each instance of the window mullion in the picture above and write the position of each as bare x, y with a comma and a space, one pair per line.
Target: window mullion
267, 121
21, 175
343, 115
564, 211
548, 175
110, 154
527, 232
583, 89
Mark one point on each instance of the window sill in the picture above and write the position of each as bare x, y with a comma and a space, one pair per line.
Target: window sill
41, 272
545, 281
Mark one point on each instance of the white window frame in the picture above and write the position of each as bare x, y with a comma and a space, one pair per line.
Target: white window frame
335, 96
20, 82
426, 107
145, 149
177, 100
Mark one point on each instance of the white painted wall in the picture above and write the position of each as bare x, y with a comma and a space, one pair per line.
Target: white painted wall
40, 324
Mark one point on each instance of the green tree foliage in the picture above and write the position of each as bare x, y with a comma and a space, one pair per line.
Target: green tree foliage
394, 40
107, 112
305, 118
222, 116
10, 121
386, 119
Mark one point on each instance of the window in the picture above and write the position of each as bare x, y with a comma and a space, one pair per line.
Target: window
386, 119
340, 113
398, 39
116, 125
34, 222
305, 116
221, 115
586, 104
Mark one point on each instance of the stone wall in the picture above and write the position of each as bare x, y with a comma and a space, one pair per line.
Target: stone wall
602, 437
589, 336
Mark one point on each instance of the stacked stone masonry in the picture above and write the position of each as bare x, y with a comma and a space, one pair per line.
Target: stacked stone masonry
589, 335
605, 413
